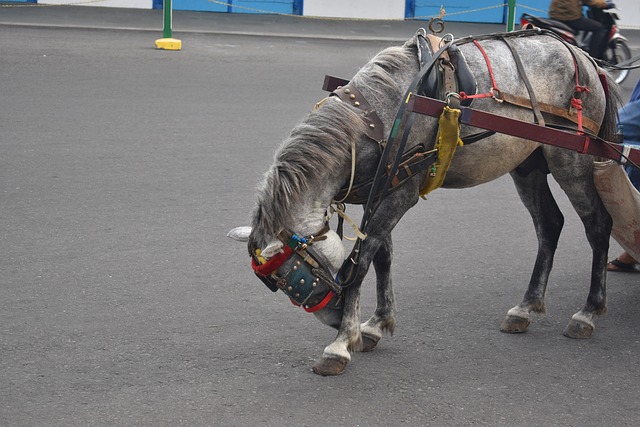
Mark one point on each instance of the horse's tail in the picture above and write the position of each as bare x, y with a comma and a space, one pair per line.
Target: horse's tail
609, 125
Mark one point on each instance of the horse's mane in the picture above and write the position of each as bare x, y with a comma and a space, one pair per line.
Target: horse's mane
378, 72
319, 147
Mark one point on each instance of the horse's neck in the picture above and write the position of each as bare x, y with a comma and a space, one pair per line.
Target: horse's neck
385, 100
305, 216
310, 218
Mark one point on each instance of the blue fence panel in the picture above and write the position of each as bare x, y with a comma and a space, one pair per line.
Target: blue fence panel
262, 6
200, 5
239, 6
532, 7
488, 11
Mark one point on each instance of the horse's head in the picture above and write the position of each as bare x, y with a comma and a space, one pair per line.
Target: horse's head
289, 245
301, 266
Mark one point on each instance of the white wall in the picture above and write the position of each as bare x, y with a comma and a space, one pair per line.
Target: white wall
136, 4
629, 13
365, 9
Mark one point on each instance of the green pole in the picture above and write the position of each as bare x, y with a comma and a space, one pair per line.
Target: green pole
167, 42
166, 8
511, 14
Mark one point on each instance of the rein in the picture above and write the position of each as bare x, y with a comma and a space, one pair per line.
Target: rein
378, 186
347, 273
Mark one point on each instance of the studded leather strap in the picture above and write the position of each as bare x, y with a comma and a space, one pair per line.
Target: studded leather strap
350, 94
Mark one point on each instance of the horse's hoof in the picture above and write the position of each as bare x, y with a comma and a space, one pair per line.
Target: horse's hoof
514, 324
369, 342
328, 366
578, 329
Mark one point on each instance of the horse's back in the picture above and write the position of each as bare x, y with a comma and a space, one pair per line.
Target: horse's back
550, 68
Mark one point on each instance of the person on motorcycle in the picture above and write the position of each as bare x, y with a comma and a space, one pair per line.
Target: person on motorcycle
570, 13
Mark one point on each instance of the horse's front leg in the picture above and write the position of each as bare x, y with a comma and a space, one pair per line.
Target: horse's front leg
375, 248
337, 355
548, 221
383, 320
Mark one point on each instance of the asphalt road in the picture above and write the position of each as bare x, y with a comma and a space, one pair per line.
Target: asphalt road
122, 302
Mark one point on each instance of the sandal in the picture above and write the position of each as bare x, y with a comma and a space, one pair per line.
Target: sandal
623, 267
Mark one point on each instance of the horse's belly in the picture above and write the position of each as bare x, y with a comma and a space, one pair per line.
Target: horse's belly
487, 160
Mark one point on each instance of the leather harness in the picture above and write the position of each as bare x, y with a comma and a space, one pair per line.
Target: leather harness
408, 164
416, 159
453, 76
306, 279
350, 94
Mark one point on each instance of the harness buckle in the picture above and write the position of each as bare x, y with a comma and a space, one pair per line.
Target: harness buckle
453, 100
495, 94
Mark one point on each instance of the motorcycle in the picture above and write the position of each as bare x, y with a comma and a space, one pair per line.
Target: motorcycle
617, 50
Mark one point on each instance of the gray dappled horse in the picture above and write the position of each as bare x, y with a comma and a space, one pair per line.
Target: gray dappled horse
314, 163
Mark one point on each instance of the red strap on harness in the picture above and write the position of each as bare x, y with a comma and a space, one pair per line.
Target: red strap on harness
274, 262
577, 104
322, 304
575, 101
494, 86
585, 147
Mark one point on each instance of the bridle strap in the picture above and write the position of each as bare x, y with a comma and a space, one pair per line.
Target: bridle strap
290, 244
292, 240
273, 264
353, 172
537, 114
322, 304
351, 95
379, 188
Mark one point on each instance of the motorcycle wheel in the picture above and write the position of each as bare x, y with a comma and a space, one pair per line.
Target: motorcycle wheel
618, 54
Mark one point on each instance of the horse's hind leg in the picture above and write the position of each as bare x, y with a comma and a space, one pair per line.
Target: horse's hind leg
597, 224
548, 221
384, 319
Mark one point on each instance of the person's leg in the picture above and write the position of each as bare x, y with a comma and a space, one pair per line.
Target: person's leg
623, 263
598, 38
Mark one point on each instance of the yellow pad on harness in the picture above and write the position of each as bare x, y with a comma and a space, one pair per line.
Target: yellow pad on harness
448, 140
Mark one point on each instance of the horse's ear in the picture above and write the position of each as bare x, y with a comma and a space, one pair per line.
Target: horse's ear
241, 234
